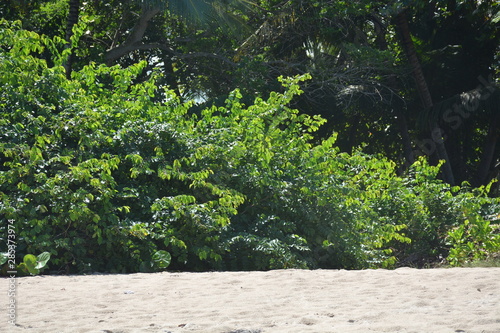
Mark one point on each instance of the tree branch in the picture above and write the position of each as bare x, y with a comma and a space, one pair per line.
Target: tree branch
133, 41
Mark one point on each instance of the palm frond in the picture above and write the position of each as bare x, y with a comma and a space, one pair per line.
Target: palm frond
193, 11
202, 11
464, 105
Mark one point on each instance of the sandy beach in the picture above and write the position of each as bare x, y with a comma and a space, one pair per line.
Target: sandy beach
401, 300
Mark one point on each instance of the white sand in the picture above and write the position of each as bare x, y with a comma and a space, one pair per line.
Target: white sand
403, 300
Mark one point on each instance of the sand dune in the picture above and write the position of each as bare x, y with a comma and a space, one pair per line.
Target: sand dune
402, 300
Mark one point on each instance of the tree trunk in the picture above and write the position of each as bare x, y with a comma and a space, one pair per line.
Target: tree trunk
352, 132
423, 89
171, 79
74, 13
405, 137
488, 153
382, 44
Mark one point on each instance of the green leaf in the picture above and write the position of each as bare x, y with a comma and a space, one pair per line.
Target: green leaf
4, 256
166, 242
31, 262
42, 260
496, 19
162, 258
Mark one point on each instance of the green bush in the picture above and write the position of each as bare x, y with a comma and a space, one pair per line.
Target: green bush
475, 239
102, 176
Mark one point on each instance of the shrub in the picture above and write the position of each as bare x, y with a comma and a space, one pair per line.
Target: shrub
102, 176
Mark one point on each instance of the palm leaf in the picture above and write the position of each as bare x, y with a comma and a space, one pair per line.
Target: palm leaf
193, 11
202, 11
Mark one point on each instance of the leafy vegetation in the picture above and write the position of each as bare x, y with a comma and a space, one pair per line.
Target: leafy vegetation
30, 265
104, 175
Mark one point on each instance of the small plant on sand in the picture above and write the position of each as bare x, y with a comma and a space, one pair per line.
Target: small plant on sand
31, 265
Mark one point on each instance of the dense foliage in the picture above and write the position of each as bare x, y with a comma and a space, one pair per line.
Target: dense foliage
357, 52
109, 171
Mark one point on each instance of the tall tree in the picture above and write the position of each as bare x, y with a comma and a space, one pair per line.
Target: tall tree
423, 89
73, 14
